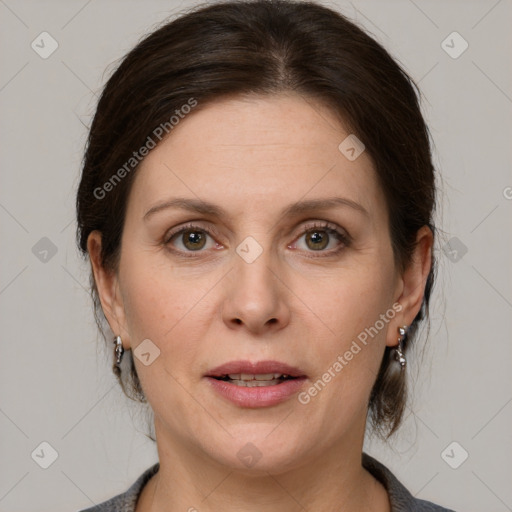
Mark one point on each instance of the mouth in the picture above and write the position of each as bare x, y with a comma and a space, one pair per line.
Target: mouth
255, 380
259, 384
260, 371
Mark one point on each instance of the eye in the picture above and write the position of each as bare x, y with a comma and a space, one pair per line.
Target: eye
320, 236
192, 238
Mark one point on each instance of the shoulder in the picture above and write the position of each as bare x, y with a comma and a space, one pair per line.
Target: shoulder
126, 501
400, 498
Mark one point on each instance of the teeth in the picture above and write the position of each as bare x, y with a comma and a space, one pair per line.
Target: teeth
255, 383
267, 376
250, 380
259, 377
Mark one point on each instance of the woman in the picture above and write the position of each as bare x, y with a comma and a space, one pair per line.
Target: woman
256, 201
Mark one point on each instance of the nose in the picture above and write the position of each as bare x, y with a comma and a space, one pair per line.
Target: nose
256, 296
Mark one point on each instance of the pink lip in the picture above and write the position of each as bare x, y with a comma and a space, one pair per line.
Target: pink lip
261, 396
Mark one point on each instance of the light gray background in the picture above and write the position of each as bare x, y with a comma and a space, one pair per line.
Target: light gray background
57, 385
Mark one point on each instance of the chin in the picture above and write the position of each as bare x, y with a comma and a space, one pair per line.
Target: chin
258, 453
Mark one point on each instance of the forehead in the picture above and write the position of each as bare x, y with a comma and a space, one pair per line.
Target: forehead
258, 151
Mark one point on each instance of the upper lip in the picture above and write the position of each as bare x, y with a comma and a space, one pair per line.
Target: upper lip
255, 368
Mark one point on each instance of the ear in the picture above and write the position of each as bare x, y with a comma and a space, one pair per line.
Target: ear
411, 284
107, 284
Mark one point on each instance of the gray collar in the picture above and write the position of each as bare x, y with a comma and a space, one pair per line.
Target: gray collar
400, 498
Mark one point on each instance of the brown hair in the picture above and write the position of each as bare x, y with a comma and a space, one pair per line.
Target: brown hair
265, 47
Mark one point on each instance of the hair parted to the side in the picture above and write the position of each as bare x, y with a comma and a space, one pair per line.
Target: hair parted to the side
266, 47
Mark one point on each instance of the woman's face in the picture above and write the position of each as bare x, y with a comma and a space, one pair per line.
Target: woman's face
257, 278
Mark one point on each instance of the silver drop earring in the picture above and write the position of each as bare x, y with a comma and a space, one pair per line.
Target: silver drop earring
399, 355
118, 350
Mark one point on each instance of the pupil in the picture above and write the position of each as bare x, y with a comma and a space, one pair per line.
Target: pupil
193, 237
318, 238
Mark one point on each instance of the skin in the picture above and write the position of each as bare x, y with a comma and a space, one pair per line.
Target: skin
298, 304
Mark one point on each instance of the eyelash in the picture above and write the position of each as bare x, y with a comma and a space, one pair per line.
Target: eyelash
329, 228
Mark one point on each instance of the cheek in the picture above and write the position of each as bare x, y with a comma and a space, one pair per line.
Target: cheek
354, 302
155, 299
159, 306
357, 309
151, 306
166, 307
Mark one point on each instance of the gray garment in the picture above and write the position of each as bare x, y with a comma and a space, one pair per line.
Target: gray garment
400, 498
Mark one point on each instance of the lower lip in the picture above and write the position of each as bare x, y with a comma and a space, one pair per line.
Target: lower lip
261, 396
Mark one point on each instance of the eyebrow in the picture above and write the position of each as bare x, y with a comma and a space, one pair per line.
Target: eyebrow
300, 207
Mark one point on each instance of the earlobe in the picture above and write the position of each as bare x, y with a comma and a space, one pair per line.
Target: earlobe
413, 280
107, 286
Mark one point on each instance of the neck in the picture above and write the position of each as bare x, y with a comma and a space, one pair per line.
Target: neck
193, 482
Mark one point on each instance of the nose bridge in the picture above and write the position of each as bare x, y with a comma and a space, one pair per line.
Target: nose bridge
255, 296
253, 263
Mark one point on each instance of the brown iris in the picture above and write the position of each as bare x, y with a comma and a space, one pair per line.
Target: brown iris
197, 239
320, 240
